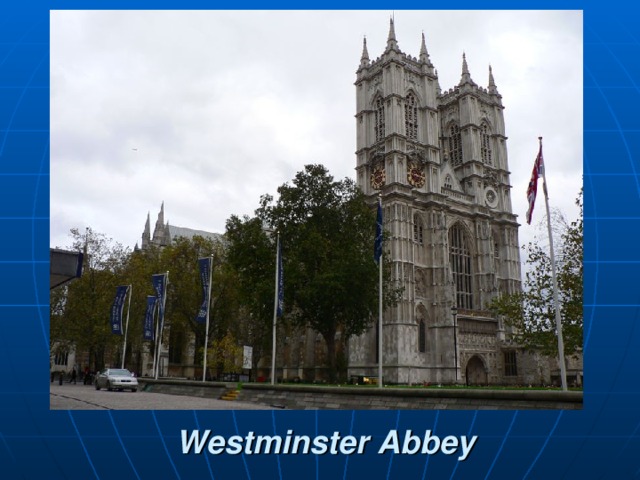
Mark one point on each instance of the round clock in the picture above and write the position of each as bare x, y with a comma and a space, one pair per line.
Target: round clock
415, 175
378, 178
491, 198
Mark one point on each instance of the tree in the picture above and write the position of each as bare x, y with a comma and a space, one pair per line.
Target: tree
251, 255
327, 234
80, 310
531, 312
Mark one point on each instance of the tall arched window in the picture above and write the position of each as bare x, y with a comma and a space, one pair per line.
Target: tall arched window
411, 117
485, 145
422, 336
418, 230
460, 260
379, 127
455, 145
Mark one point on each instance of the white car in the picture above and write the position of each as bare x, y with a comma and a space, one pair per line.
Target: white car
116, 379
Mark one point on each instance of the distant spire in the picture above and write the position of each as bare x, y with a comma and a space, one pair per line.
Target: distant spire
146, 235
424, 55
492, 82
392, 44
466, 76
364, 60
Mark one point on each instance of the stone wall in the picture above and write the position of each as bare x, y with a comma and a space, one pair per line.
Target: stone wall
304, 397
371, 398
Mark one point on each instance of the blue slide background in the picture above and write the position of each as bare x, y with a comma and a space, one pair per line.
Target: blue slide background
600, 442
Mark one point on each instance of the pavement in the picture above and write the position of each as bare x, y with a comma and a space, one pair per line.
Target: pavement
70, 396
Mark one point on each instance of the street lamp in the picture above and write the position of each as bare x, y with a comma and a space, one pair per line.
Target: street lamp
454, 313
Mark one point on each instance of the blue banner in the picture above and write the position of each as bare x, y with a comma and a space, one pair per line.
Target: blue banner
205, 279
280, 281
377, 248
147, 330
116, 309
159, 281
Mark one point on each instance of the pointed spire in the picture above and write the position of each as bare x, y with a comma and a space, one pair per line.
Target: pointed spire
492, 82
364, 60
424, 55
146, 235
392, 44
466, 76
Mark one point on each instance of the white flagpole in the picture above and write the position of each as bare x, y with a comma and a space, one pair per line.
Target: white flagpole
275, 312
563, 370
155, 339
206, 328
126, 328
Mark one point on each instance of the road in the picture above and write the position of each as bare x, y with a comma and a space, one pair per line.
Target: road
69, 396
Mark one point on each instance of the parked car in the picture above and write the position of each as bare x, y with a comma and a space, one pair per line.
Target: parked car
116, 379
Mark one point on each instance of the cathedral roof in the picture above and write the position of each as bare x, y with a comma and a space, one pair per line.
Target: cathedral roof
189, 233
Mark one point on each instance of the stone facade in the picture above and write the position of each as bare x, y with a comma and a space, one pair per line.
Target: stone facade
438, 162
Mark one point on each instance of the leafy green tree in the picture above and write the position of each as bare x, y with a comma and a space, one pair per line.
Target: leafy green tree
531, 312
327, 233
251, 254
226, 354
80, 310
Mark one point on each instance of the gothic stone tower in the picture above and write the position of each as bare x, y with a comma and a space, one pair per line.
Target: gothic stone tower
438, 161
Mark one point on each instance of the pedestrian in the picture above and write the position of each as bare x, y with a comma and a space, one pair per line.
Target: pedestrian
73, 375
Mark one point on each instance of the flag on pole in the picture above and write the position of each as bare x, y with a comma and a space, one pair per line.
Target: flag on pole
205, 279
280, 281
117, 308
159, 281
377, 248
532, 190
147, 330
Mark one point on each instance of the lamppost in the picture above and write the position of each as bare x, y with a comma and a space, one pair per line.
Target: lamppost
454, 313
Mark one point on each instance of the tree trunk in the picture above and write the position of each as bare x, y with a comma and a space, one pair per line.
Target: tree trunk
330, 340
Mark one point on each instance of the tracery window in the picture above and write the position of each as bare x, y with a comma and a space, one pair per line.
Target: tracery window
485, 145
411, 117
379, 127
460, 260
418, 230
455, 145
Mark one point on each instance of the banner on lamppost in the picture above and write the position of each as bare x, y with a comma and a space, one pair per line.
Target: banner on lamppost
116, 309
147, 331
205, 280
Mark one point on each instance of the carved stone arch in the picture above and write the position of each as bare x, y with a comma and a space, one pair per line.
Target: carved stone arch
485, 120
412, 91
476, 372
468, 230
377, 95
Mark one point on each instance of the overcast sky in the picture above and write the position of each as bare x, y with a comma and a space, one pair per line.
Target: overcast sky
208, 110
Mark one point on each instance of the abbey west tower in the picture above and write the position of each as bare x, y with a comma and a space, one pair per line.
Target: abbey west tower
438, 161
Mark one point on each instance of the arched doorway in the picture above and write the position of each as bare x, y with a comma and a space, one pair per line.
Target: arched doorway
476, 373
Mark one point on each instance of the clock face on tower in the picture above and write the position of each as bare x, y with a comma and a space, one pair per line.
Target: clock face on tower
378, 177
415, 175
